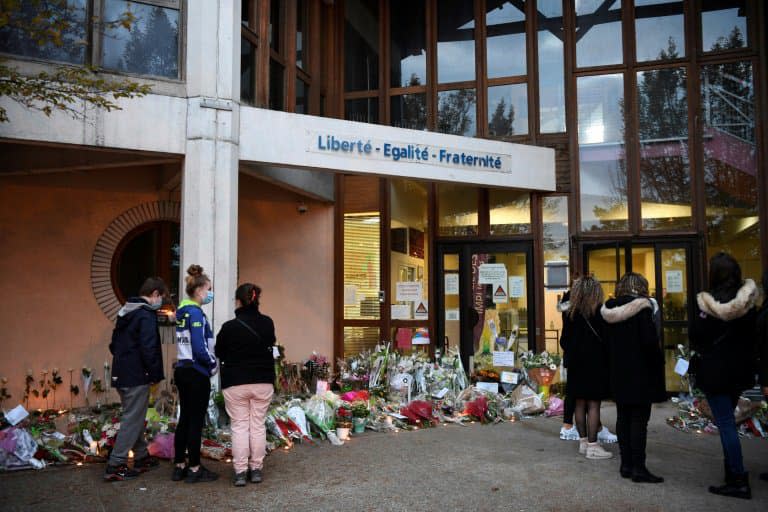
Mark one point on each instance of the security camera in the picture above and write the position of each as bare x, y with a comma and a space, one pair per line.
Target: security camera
302, 208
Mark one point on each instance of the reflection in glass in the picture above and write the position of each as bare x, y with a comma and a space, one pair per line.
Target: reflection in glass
276, 85
150, 47
551, 66
247, 71
607, 265
408, 49
301, 33
409, 235
510, 212
508, 110
457, 210
302, 96
361, 45
724, 25
275, 24
455, 41
659, 29
556, 252
665, 175
16, 41
363, 110
598, 33
457, 112
643, 262
602, 163
409, 111
359, 339
730, 163
506, 39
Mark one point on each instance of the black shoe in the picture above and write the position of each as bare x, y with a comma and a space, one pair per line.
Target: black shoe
256, 476
179, 473
119, 473
736, 486
146, 463
240, 479
625, 471
201, 475
643, 476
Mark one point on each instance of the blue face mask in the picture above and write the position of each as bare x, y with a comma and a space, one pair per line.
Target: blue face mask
208, 298
155, 307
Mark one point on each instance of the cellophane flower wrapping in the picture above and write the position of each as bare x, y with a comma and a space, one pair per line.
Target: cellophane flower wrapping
320, 413
477, 408
418, 412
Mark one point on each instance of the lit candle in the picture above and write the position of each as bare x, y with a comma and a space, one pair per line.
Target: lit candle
130, 454
93, 446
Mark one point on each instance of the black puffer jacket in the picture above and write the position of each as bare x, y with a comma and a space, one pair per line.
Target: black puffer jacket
137, 357
724, 334
246, 358
636, 360
762, 344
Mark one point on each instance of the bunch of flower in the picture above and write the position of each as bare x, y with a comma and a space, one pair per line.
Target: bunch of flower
360, 409
543, 360
109, 433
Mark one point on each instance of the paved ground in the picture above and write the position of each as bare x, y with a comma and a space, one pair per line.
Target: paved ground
512, 466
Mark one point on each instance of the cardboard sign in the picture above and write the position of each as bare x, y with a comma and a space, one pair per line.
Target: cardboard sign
492, 387
681, 368
451, 284
407, 291
490, 273
509, 377
504, 359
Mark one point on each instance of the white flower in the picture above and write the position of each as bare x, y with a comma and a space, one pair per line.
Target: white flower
553, 367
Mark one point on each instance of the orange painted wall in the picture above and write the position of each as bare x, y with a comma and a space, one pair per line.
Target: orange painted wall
49, 225
290, 255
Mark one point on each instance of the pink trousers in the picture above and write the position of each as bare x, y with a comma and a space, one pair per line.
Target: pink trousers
247, 407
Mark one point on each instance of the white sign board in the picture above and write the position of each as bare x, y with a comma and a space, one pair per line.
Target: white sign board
504, 358
500, 294
681, 368
451, 284
516, 286
674, 281
451, 315
509, 377
490, 273
408, 291
492, 387
421, 310
401, 311
350, 295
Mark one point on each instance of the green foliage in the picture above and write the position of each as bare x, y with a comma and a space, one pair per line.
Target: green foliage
53, 24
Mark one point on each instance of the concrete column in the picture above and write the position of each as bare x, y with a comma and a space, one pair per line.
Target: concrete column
210, 181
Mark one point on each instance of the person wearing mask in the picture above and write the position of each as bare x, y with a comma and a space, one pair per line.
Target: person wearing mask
587, 382
636, 370
762, 346
244, 348
137, 363
722, 333
192, 375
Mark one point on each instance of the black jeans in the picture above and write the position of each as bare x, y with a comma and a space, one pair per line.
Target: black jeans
194, 391
569, 406
632, 429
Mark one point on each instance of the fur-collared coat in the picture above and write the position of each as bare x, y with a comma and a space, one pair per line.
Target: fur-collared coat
635, 358
724, 334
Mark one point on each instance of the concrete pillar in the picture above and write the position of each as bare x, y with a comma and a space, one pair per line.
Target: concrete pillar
210, 181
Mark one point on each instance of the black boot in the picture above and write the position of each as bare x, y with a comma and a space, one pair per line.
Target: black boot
642, 475
736, 486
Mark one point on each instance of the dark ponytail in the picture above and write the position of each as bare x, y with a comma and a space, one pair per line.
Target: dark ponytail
248, 294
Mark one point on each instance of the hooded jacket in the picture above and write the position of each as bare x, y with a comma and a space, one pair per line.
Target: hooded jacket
194, 339
137, 358
636, 362
723, 333
246, 358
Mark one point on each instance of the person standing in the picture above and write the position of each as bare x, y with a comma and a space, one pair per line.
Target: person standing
636, 370
194, 369
244, 348
137, 363
587, 382
762, 347
722, 332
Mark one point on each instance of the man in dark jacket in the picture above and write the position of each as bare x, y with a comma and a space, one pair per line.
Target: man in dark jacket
137, 363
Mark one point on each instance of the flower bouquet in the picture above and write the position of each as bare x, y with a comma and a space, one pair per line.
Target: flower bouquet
541, 368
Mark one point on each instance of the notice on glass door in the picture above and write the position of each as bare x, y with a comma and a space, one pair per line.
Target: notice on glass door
407, 291
489, 273
674, 281
452, 315
500, 295
516, 286
451, 284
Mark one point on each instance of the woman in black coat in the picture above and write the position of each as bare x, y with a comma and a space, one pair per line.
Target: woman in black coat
722, 333
636, 370
244, 346
587, 382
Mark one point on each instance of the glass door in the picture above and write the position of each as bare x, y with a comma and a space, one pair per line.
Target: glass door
485, 294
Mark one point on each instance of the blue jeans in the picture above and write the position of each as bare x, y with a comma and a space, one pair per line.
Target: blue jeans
723, 406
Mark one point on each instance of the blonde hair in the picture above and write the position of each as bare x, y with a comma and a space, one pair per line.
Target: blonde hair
586, 297
632, 283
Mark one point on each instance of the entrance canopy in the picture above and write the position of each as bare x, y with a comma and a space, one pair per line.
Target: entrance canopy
317, 143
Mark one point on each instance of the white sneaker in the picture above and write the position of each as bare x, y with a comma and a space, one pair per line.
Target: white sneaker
569, 434
606, 436
596, 452
583, 446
